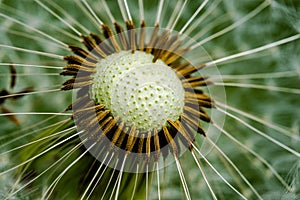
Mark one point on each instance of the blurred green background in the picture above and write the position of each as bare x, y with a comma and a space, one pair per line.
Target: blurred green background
279, 20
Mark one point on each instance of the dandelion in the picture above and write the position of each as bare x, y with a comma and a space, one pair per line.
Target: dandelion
133, 99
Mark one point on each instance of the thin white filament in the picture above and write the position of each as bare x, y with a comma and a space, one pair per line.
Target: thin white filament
215, 23
27, 17
69, 34
29, 65
114, 188
234, 25
174, 13
151, 179
50, 62
120, 178
164, 179
36, 113
35, 30
66, 155
210, 9
32, 51
98, 180
20, 136
57, 7
235, 168
135, 180
87, 13
271, 75
92, 12
37, 39
38, 140
122, 9
33, 74
261, 133
216, 171
255, 50
28, 93
43, 152
262, 87
204, 176
94, 177
53, 185
158, 182
182, 178
194, 15
159, 11
264, 122
110, 179
179, 14
256, 155
147, 181
58, 17
22, 173
141, 8
111, 17
127, 10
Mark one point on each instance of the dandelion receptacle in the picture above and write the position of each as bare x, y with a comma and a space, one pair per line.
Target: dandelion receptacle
136, 99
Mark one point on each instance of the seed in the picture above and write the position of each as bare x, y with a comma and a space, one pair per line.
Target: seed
108, 145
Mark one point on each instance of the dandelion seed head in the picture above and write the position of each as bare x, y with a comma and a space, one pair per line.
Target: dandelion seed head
140, 92
128, 127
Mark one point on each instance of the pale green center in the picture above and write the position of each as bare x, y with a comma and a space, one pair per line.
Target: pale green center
140, 92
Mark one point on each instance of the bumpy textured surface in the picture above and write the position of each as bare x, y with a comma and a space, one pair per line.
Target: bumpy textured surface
140, 92
279, 20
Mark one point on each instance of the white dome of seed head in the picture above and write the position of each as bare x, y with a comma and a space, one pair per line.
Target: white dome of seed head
140, 92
